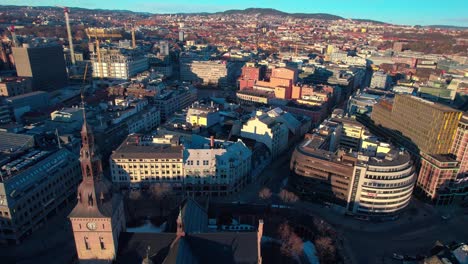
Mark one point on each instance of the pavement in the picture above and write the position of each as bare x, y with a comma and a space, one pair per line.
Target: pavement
413, 233
52, 243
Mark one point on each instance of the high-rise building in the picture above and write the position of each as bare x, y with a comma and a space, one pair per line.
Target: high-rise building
431, 126
163, 48
460, 144
44, 64
181, 36
436, 173
98, 217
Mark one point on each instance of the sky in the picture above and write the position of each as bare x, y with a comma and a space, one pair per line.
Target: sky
410, 12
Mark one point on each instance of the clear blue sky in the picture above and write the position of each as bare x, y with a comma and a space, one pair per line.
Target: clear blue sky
422, 12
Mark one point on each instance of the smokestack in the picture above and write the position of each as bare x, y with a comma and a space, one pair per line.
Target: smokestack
212, 141
133, 38
70, 38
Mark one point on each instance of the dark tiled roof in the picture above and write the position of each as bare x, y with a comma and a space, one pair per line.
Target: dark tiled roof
133, 247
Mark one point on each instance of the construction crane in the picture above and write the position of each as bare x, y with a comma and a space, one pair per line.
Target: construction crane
12, 30
66, 11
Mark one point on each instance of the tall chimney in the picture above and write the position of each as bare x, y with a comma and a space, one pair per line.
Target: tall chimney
212, 141
259, 241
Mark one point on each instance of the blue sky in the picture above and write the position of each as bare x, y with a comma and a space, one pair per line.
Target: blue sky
422, 12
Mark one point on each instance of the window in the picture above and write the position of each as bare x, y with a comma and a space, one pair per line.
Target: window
101, 241
86, 243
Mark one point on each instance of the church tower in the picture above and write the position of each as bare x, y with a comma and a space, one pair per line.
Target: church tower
98, 217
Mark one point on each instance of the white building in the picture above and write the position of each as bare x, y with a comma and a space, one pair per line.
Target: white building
203, 167
217, 167
266, 128
206, 72
380, 80
383, 184
118, 63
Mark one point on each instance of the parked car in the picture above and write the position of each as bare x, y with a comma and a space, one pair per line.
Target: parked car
398, 256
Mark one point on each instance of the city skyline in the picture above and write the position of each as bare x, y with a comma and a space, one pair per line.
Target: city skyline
396, 12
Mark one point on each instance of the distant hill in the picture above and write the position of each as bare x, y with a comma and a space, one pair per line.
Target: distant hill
274, 12
369, 21
446, 27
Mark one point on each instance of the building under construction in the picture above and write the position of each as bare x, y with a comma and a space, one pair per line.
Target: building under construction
118, 63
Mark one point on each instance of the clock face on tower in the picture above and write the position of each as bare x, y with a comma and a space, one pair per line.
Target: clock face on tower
91, 225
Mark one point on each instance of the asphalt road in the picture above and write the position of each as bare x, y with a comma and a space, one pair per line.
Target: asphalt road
368, 242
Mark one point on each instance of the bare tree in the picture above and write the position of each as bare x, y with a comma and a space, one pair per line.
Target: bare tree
265, 193
291, 243
135, 195
160, 190
288, 197
324, 228
326, 249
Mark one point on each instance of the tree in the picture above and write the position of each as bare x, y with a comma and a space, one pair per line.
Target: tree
288, 197
135, 195
326, 249
160, 190
265, 193
291, 243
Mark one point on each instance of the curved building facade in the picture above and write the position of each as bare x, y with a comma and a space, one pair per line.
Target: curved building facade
382, 186
372, 186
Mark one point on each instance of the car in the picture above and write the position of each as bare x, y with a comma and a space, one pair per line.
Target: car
445, 217
410, 258
398, 256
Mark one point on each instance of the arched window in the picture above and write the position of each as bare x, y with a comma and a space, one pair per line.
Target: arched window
88, 171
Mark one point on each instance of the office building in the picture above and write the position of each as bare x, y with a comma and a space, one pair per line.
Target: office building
201, 167
173, 99
431, 126
139, 163
204, 72
436, 173
375, 182
460, 144
12, 86
118, 63
34, 186
30, 62
203, 116
380, 80
163, 48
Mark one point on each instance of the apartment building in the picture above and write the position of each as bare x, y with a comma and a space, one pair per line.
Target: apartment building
265, 128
